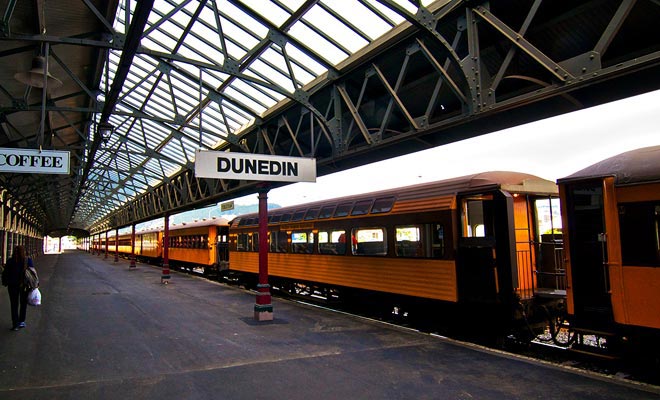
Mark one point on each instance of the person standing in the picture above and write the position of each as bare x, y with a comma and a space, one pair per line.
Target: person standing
13, 276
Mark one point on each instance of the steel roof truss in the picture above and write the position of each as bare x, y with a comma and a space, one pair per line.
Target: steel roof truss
555, 69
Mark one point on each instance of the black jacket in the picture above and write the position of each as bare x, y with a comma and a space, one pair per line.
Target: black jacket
13, 274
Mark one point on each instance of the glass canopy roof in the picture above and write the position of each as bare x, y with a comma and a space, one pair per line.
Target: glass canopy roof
206, 69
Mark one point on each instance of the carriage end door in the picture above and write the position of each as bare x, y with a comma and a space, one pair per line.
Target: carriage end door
589, 273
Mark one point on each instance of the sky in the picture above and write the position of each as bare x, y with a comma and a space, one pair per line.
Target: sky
551, 148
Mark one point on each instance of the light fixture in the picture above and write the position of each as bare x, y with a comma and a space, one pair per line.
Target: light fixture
105, 131
35, 76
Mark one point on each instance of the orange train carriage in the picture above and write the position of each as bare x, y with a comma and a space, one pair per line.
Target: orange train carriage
192, 245
612, 214
487, 242
477, 243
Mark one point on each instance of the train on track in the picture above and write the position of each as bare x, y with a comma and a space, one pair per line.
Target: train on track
499, 252
198, 246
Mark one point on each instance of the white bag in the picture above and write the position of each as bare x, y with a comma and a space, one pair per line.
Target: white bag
34, 297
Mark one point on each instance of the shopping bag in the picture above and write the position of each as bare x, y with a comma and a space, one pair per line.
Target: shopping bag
34, 297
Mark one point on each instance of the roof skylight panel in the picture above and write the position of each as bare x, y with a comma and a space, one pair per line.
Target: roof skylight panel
264, 69
172, 150
193, 134
187, 89
335, 30
262, 72
272, 11
239, 36
256, 93
158, 41
301, 60
281, 62
198, 48
185, 97
159, 108
384, 12
153, 134
155, 166
407, 5
234, 116
136, 151
323, 48
358, 17
246, 98
241, 19
190, 148
212, 78
212, 126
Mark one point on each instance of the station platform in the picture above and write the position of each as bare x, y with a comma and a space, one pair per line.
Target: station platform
107, 332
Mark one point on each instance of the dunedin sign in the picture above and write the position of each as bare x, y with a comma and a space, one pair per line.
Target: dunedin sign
34, 161
254, 167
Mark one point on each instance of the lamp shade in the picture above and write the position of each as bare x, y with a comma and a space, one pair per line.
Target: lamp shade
35, 76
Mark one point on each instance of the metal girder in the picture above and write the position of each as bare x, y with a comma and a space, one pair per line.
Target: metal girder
456, 70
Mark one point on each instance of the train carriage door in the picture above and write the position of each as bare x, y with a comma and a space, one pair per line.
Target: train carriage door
222, 247
486, 252
588, 254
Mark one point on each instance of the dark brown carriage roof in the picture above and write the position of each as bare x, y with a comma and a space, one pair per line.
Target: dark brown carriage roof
516, 182
629, 168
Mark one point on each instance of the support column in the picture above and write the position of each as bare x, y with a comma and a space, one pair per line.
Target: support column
263, 309
132, 265
165, 277
106, 244
59, 245
116, 244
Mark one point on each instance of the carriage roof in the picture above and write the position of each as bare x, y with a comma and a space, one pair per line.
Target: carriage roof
629, 168
515, 182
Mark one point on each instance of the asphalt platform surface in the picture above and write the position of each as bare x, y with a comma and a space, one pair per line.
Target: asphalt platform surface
107, 332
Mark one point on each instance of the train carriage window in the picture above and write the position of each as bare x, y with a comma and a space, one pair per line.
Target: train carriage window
312, 213
326, 212
361, 207
247, 242
332, 242
298, 215
242, 242
369, 241
640, 233
286, 217
343, 209
382, 205
437, 241
278, 241
302, 242
475, 215
408, 241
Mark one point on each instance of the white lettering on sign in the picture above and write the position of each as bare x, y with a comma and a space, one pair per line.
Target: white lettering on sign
259, 167
34, 161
